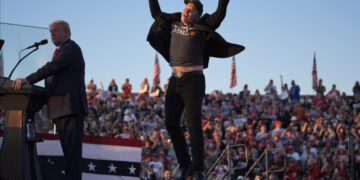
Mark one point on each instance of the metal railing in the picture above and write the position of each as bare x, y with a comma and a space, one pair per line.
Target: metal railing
227, 151
267, 170
265, 154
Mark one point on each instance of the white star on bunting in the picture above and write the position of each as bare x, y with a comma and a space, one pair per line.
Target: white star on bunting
132, 169
112, 168
91, 166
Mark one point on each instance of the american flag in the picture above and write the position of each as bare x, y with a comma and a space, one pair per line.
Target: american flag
156, 76
233, 74
314, 74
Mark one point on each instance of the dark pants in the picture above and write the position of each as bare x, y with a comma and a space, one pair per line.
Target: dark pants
70, 129
186, 93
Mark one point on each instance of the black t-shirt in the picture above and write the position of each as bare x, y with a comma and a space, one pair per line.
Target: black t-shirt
187, 46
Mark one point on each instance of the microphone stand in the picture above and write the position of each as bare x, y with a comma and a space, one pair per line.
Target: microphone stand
20, 60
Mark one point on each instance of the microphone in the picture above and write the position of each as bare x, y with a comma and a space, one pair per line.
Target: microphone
37, 44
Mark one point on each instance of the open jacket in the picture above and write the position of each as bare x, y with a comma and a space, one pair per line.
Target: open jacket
160, 32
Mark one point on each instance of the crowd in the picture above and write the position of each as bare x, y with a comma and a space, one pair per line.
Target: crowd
309, 133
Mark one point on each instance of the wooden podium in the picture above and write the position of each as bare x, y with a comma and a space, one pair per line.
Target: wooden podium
18, 155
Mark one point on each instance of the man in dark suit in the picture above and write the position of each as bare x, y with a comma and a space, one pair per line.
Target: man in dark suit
65, 87
186, 40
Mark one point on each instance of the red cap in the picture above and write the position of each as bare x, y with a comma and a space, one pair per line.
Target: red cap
278, 123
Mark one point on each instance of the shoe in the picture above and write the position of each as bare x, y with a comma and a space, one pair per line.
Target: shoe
186, 172
198, 175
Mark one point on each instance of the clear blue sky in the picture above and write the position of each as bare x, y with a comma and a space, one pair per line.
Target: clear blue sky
280, 37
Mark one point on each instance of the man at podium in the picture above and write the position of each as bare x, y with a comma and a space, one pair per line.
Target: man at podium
65, 87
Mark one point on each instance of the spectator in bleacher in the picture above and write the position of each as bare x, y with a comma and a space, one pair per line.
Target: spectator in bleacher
126, 134
245, 92
355, 104
113, 88
313, 168
277, 140
262, 135
270, 89
356, 88
341, 171
273, 176
91, 88
156, 165
285, 93
220, 170
167, 175
101, 95
333, 94
126, 89
305, 156
320, 102
294, 90
293, 169
320, 89
156, 90
144, 88
277, 130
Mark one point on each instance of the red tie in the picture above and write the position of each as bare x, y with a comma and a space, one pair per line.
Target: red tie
56, 50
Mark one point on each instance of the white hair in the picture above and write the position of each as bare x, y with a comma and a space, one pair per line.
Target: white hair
65, 25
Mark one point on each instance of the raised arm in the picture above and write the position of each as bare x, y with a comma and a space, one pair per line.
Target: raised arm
154, 8
214, 20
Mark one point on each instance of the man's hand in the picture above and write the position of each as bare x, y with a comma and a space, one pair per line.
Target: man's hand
17, 84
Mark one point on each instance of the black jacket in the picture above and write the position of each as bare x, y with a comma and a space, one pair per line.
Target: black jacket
67, 90
160, 32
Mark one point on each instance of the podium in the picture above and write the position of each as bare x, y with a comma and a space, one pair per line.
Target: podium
18, 155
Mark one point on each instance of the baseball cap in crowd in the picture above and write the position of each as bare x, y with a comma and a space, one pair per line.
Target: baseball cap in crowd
277, 123
197, 3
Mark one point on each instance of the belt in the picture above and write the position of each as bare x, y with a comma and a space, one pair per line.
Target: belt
179, 74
